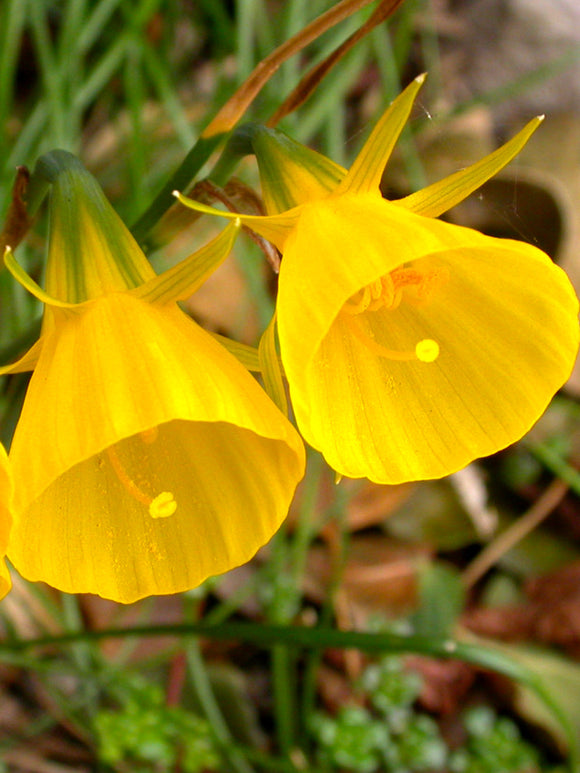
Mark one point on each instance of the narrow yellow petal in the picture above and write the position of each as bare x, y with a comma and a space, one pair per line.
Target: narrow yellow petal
181, 281
6, 493
152, 446
247, 355
26, 362
275, 228
5, 580
437, 198
271, 368
29, 284
365, 174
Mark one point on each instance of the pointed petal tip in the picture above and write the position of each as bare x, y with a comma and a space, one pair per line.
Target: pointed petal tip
365, 174
29, 284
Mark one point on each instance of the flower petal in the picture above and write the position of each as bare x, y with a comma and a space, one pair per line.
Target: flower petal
437, 198
132, 404
181, 281
6, 493
275, 228
505, 322
5, 580
29, 284
365, 174
271, 368
247, 355
26, 362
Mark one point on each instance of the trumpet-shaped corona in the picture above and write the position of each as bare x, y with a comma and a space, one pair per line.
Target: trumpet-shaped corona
411, 346
146, 457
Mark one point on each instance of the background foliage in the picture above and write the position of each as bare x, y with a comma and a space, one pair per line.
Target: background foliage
128, 86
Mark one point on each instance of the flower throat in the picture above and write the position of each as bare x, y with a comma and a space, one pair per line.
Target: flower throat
161, 506
388, 292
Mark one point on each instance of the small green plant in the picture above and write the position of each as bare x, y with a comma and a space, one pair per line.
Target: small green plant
144, 734
493, 743
393, 737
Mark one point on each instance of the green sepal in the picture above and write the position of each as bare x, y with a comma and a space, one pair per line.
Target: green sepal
247, 355
91, 252
291, 174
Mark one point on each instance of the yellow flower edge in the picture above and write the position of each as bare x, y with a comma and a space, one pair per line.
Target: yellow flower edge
6, 492
132, 408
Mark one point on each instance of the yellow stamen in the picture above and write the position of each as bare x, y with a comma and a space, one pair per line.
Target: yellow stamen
387, 293
161, 506
426, 350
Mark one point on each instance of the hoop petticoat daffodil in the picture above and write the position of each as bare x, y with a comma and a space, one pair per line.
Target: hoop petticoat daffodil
146, 457
6, 491
411, 346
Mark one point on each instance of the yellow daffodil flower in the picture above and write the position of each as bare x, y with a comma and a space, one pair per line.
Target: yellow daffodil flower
5, 520
146, 457
411, 346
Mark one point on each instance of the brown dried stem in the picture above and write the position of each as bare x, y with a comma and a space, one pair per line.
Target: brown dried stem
236, 106
18, 220
489, 556
311, 80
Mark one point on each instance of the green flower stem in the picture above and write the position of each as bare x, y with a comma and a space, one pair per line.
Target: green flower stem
338, 512
283, 682
317, 639
179, 181
289, 563
211, 709
233, 602
281, 609
275, 764
82, 653
307, 527
229, 115
236, 147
